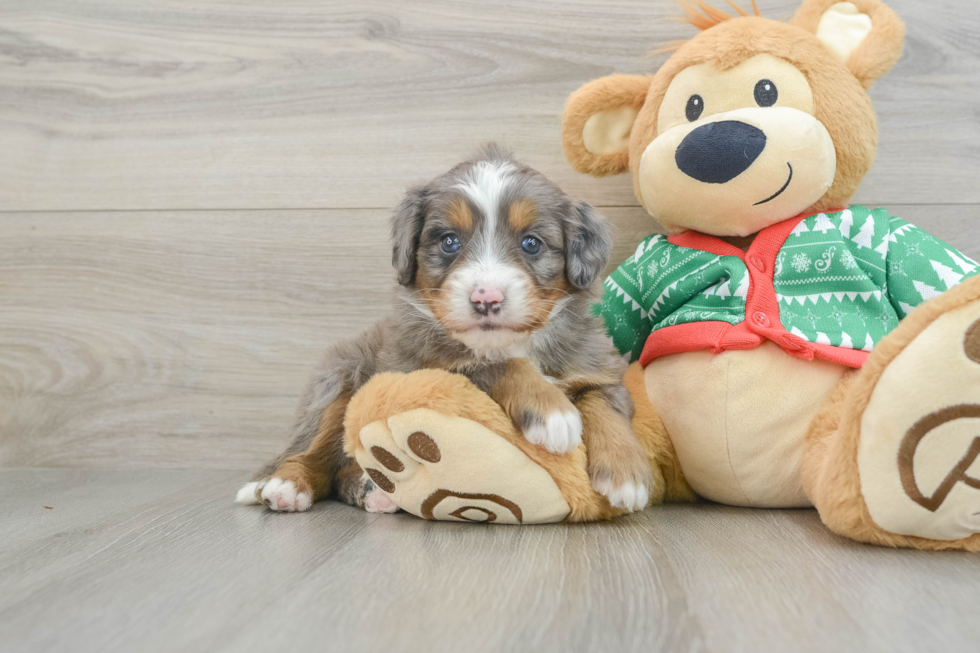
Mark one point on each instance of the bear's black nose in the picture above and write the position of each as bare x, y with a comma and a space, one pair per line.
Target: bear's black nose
719, 151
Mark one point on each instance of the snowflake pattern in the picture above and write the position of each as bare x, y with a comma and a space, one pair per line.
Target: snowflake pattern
847, 260
801, 263
812, 318
895, 268
887, 320
837, 314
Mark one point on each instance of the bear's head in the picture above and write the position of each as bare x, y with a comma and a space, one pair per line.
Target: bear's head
751, 122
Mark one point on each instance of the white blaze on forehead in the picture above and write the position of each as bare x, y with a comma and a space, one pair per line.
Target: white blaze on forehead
485, 184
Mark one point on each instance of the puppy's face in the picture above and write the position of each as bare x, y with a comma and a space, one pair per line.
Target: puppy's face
496, 250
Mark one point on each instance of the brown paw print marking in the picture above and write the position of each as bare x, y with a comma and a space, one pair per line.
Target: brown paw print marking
906, 455
972, 342
380, 480
459, 514
436, 497
387, 459
421, 445
424, 447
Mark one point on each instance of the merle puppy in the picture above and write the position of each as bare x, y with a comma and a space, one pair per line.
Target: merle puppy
497, 267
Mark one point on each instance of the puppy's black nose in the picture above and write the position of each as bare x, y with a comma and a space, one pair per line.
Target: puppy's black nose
719, 151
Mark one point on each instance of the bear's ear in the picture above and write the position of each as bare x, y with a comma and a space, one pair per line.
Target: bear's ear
596, 124
865, 34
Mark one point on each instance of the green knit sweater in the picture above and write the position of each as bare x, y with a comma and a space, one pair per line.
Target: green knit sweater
829, 285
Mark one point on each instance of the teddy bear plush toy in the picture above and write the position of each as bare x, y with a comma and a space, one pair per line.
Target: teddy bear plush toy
788, 350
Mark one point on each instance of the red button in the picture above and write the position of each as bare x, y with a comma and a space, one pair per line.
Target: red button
759, 263
761, 319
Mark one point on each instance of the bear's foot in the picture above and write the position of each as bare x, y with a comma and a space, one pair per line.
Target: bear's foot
444, 467
919, 451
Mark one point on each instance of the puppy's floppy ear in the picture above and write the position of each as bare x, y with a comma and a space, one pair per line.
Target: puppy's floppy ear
588, 241
596, 124
865, 34
406, 230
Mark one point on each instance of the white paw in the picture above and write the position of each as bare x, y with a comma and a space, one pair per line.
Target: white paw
378, 501
560, 433
629, 495
246, 495
282, 495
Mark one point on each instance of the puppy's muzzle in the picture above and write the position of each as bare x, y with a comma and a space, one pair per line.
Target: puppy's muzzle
486, 300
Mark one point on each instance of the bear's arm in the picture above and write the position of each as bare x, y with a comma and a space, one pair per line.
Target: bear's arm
919, 266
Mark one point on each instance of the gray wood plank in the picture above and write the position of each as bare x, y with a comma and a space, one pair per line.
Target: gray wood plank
163, 561
110, 105
174, 339
183, 339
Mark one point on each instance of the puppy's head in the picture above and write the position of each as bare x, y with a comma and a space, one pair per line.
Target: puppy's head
495, 250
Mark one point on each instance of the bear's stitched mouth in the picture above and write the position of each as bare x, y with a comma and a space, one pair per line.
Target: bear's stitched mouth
780, 191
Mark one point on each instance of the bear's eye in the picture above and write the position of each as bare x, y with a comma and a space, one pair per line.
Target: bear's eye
765, 93
695, 105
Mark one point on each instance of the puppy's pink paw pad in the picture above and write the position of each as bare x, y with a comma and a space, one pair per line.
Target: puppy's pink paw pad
378, 501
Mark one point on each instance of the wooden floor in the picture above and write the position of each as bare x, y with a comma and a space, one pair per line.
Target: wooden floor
162, 561
193, 205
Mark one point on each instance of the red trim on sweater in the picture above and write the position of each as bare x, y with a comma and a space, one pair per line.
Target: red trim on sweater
761, 307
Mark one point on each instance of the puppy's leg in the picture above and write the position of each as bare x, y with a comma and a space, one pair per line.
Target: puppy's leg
297, 479
617, 464
542, 412
314, 464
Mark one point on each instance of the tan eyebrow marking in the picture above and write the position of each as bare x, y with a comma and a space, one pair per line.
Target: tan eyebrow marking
522, 214
459, 214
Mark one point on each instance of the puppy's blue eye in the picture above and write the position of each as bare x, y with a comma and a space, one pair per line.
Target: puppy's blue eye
450, 244
531, 245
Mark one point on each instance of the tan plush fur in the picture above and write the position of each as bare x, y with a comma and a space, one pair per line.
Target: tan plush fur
603, 94
389, 394
878, 52
830, 469
653, 436
840, 100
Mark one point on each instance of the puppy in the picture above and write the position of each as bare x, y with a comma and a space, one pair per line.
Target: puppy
496, 267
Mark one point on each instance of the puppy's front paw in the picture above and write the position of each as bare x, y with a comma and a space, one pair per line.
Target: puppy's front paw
629, 489
285, 496
628, 495
558, 432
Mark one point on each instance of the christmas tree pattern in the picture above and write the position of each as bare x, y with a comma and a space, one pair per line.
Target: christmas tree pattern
871, 270
842, 279
664, 285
